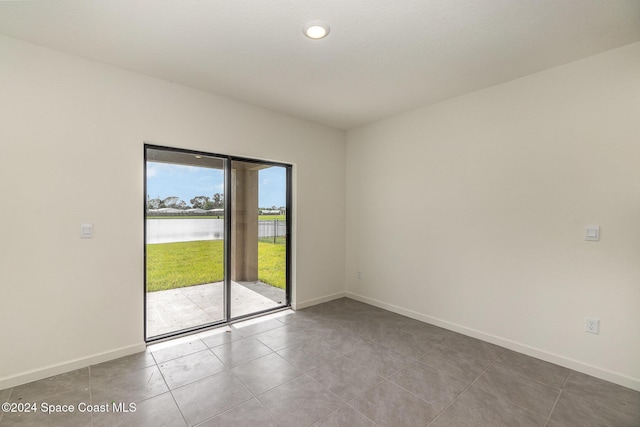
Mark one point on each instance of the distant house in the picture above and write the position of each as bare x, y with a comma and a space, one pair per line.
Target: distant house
184, 212
165, 211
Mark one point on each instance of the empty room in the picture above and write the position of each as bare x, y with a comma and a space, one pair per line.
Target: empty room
320, 213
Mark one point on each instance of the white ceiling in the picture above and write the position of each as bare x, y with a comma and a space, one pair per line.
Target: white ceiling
381, 58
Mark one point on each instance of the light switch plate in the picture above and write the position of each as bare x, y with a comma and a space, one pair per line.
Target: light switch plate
86, 231
592, 233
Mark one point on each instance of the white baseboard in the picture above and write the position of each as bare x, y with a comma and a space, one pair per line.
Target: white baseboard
48, 371
61, 368
576, 365
309, 303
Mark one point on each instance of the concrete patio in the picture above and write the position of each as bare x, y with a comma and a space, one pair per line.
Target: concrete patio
182, 308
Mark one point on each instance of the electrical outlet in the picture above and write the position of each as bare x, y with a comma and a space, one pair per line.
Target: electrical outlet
359, 275
591, 325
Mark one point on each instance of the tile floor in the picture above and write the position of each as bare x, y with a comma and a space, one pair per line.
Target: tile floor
342, 363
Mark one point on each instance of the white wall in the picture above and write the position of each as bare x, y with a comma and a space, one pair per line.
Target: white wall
470, 214
71, 143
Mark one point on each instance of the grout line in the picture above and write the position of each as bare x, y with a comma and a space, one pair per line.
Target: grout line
242, 382
187, 342
460, 394
566, 380
344, 402
465, 356
178, 406
286, 382
164, 379
329, 414
90, 394
171, 391
344, 405
357, 396
557, 399
382, 379
431, 403
463, 423
325, 388
553, 408
502, 397
370, 388
268, 411
256, 395
512, 402
409, 391
223, 412
253, 396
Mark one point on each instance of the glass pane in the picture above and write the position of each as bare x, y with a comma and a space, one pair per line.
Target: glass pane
184, 241
258, 237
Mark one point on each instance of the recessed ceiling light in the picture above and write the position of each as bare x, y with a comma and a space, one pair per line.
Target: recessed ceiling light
316, 30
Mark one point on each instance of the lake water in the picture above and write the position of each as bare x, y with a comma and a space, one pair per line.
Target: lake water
184, 230
191, 229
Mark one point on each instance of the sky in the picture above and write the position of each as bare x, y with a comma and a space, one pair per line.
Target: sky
186, 182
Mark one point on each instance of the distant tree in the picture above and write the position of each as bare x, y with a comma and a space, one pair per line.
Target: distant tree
174, 202
154, 203
218, 201
200, 202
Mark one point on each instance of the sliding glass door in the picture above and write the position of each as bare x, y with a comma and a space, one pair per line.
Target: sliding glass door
216, 239
258, 236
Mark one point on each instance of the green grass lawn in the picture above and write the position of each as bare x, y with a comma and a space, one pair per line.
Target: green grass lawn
272, 264
272, 217
186, 217
260, 217
176, 265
